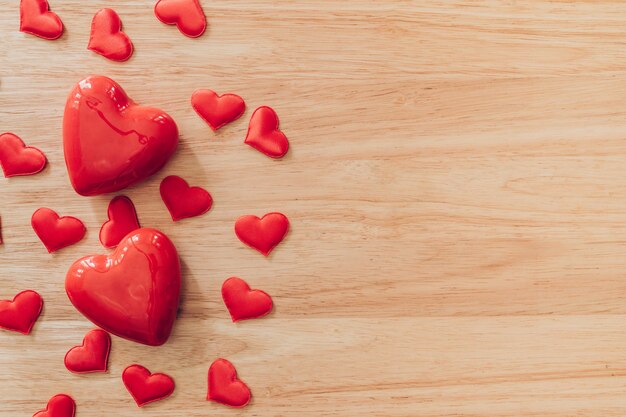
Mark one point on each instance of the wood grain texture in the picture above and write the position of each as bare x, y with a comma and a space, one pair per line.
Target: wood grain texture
456, 188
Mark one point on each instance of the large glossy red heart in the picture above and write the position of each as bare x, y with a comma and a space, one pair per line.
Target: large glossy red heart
122, 221
183, 201
92, 355
38, 20
18, 159
132, 292
146, 387
109, 141
216, 110
56, 232
61, 405
244, 303
264, 135
224, 385
107, 38
187, 15
21, 313
262, 234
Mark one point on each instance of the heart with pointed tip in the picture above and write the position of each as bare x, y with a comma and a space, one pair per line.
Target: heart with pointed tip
262, 234
184, 201
92, 355
61, 405
122, 221
18, 159
37, 19
146, 387
264, 135
244, 303
224, 385
56, 232
21, 313
107, 38
217, 110
187, 15
109, 141
133, 292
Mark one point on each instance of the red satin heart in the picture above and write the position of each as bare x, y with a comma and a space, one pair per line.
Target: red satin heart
109, 141
20, 314
122, 221
264, 135
262, 234
38, 20
244, 303
61, 405
92, 355
216, 110
146, 387
18, 159
187, 15
107, 38
56, 232
224, 386
184, 201
132, 292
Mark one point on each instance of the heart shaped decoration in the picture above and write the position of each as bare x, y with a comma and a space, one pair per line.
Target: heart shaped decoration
184, 201
37, 19
107, 38
264, 135
145, 387
21, 313
109, 141
56, 232
92, 355
244, 303
262, 234
224, 386
61, 405
217, 110
18, 159
122, 221
187, 15
132, 292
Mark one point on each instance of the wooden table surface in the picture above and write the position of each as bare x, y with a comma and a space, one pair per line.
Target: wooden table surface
456, 188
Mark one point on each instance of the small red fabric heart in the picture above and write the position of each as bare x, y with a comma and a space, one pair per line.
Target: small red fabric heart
61, 405
122, 221
37, 19
20, 314
146, 387
217, 110
264, 135
56, 232
262, 234
224, 386
92, 355
138, 140
244, 303
18, 159
187, 15
107, 38
133, 292
184, 201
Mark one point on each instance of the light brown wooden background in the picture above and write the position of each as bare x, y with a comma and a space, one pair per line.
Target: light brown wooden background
456, 188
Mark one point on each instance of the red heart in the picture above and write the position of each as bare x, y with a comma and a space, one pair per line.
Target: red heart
264, 135
122, 221
18, 159
132, 292
60, 405
187, 15
38, 20
109, 141
21, 314
262, 234
107, 38
56, 232
184, 201
244, 303
92, 355
216, 110
225, 387
146, 387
